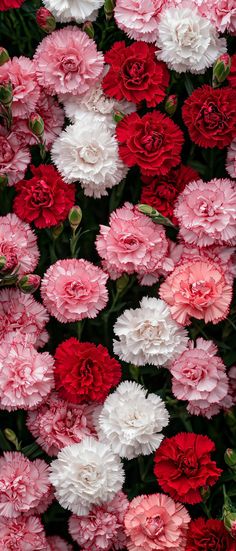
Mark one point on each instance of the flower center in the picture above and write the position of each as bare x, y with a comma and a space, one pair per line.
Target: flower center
90, 153
212, 116
153, 526
186, 35
10, 253
152, 140
134, 72
70, 63
188, 464
6, 151
41, 195
75, 289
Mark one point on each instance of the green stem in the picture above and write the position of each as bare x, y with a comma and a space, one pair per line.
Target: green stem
206, 510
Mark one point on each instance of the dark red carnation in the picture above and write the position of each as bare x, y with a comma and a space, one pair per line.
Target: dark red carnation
45, 199
209, 535
135, 74
153, 142
210, 115
85, 372
161, 192
183, 466
232, 74
8, 4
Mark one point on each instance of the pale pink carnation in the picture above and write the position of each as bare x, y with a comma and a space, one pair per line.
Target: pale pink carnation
103, 527
18, 243
68, 62
14, 157
22, 314
20, 71
55, 543
199, 376
222, 13
139, 18
156, 522
22, 534
57, 423
197, 289
231, 159
26, 376
74, 289
24, 484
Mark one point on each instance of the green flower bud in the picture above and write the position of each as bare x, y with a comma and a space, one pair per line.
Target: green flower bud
57, 230
75, 217
122, 283
6, 94
230, 458
109, 9
3, 262
205, 493
4, 56
3, 180
221, 69
155, 215
88, 29
118, 116
36, 124
171, 104
46, 21
29, 283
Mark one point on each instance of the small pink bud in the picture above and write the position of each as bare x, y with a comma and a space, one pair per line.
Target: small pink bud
88, 29
4, 56
46, 21
171, 104
221, 69
29, 283
36, 124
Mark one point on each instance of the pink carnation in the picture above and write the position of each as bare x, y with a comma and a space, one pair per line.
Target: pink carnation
22, 534
74, 289
18, 243
222, 13
14, 157
55, 543
199, 376
24, 484
21, 314
56, 423
26, 376
68, 62
197, 289
103, 527
231, 159
232, 383
20, 71
156, 522
138, 18
133, 244
206, 213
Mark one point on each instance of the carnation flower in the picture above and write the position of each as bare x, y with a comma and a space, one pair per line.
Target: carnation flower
24, 484
45, 199
55, 543
135, 74
21, 314
71, 10
231, 159
183, 466
197, 289
138, 18
209, 114
14, 159
133, 243
222, 13
18, 244
103, 527
86, 474
26, 376
131, 420
153, 142
20, 71
9, 4
199, 376
156, 522
53, 117
87, 151
206, 213
232, 75
148, 334
205, 534
23, 533
74, 289
57, 423
84, 371
67, 61
232, 383
186, 41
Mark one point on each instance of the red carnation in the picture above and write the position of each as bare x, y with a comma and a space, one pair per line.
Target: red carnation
162, 192
135, 74
210, 115
232, 75
153, 142
206, 535
8, 4
183, 466
85, 372
45, 199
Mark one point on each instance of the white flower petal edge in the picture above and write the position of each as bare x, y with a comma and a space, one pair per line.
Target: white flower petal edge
73, 10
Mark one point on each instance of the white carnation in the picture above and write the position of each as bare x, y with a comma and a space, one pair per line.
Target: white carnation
131, 421
87, 151
187, 41
86, 474
74, 10
149, 335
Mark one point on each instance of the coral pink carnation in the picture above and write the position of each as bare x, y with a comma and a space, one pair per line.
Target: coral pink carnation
14, 157
20, 71
138, 18
26, 376
67, 61
53, 117
57, 423
55, 543
156, 523
231, 159
74, 289
23, 484
22, 534
197, 289
206, 213
18, 244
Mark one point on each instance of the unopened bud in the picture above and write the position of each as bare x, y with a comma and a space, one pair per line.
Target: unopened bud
75, 217
3, 180
171, 104
109, 9
11, 436
118, 115
6, 94
3, 262
36, 124
88, 29
29, 283
155, 215
230, 458
46, 20
205, 493
122, 283
229, 518
221, 69
4, 56
8, 263
57, 230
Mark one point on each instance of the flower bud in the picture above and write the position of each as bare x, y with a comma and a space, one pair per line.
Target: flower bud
230, 458
205, 493
118, 115
6, 94
57, 230
229, 518
122, 283
29, 283
3, 180
221, 69
4, 56
75, 217
11, 436
109, 9
88, 29
3, 262
36, 124
46, 21
155, 215
171, 104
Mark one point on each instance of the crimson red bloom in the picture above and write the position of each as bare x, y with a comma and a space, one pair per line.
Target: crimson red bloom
45, 199
8, 4
135, 74
207, 535
153, 142
183, 466
85, 372
232, 74
210, 115
162, 192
